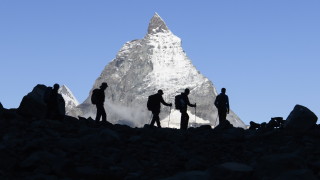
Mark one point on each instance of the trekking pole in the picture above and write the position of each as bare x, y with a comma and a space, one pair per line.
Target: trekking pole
150, 118
169, 116
195, 115
215, 123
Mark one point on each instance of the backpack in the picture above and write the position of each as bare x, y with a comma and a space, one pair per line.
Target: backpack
95, 96
151, 104
179, 102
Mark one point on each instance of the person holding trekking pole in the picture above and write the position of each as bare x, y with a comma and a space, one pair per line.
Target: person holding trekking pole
154, 105
182, 102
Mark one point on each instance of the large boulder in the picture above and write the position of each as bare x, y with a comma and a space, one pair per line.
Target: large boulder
300, 119
271, 166
33, 105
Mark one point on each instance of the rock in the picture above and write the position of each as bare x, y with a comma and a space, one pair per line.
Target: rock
205, 127
33, 105
300, 119
297, 175
195, 163
238, 167
233, 134
190, 175
271, 166
87, 171
109, 135
36, 158
230, 170
224, 125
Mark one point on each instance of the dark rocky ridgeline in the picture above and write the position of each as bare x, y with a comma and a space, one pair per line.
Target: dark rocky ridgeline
32, 147
37, 148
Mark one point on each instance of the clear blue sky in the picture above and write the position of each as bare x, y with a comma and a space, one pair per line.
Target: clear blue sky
266, 53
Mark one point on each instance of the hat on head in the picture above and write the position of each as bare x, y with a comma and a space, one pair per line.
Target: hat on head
104, 85
160, 91
56, 86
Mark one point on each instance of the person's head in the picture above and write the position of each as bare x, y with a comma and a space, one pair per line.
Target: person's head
160, 92
104, 85
56, 87
223, 90
187, 91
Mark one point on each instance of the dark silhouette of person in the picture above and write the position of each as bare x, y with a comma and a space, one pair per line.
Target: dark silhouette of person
222, 104
158, 99
100, 96
184, 108
52, 101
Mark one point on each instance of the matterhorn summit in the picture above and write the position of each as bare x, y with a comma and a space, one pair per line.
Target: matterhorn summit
144, 66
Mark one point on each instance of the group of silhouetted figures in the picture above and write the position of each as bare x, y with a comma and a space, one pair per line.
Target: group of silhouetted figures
154, 105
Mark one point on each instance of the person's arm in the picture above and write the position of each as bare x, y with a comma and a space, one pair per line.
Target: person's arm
189, 104
164, 103
228, 106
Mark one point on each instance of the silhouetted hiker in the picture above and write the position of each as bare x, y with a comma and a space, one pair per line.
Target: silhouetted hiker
182, 102
154, 105
51, 97
98, 98
222, 104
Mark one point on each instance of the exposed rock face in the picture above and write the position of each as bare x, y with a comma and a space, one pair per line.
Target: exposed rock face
301, 119
33, 105
157, 25
144, 66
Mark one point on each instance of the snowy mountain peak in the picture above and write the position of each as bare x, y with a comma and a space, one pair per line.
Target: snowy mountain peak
157, 25
143, 66
70, 101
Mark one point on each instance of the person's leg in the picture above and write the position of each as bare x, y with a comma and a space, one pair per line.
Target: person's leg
184, 120
103, 114
187, 121
181, 120
158, 120
222, 116
153, 120
99, 113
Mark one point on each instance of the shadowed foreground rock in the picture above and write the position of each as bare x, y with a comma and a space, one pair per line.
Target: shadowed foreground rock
33, 105
300, 119
78, 149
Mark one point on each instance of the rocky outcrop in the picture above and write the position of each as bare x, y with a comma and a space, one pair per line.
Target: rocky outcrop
81, 149
301, 119
33, 105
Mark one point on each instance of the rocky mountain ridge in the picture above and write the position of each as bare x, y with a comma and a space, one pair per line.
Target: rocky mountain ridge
39, 148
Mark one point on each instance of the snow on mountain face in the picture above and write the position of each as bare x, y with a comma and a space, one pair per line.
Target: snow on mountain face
143, 66
70, 101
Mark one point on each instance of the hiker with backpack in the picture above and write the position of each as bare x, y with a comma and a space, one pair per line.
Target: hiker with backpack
154, 105
53, 100
222, 104
97, 98
182, 102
